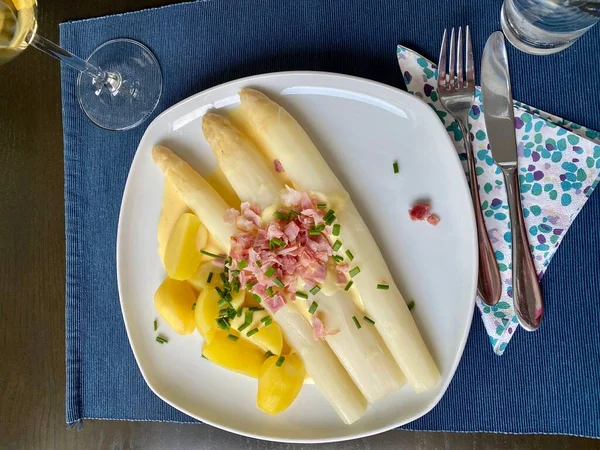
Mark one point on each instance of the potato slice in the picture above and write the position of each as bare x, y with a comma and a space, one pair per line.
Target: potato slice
269, 338
182, 257
200, 279
238, 356
279, 385
174, 301
207, 310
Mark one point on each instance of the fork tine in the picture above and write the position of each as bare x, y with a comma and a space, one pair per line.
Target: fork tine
452, 59
442, 63
469, 55
459, 60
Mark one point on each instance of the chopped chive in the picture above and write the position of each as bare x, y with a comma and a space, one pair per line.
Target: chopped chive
219, 291
336, 229
279, 215
356, 322
256, 308
270, 292
411, 305
212, 255
337, 245
321, 205
235, 272
235, 286
316, 288
194, 306
314, 231
355, 271
349, 285
223, 324
202, 354
209, 279
258, 264
277, 242
270, 271
161, 340
338, 258
349, 255
242, 264
250, 285
257, 298
313, 307
248, 316
224, 278
222, 303
267, 320
155, 325
396, 168
280, 361
368, 319
383, 287
231, 313
330, 220
243, 326
278, 282
229, 261
301, 295
294, 213
252, 332
227, 297
239, 313
269, 354
232, 337
328, 214
224, 312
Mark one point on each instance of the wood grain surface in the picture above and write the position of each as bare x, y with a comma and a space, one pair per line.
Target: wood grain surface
32, 305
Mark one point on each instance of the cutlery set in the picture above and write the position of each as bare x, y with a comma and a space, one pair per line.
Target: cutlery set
456, 90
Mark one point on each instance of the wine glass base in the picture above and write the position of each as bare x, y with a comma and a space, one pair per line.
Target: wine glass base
138, 91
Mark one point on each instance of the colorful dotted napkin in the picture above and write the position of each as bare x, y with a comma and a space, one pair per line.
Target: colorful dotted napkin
559, 164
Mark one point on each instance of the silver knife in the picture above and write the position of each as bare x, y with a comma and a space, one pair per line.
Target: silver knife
499, 122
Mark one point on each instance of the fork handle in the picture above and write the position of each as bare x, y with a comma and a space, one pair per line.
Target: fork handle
489, 284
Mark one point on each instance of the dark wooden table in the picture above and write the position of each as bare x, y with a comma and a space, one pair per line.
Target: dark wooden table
32, 275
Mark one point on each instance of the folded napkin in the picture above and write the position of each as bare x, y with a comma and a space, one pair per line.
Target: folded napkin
559, 164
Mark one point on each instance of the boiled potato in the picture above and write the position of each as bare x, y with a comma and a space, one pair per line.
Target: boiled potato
268, 337
174, 301
207, 310
172, 209
182, 256
200, 279
239, 356
278, 386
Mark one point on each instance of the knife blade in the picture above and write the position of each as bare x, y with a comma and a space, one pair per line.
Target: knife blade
498, 108
499, 122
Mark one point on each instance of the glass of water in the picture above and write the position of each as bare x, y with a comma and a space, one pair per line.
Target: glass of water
547, 26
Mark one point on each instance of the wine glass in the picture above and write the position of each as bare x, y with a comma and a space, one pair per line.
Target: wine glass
119, 85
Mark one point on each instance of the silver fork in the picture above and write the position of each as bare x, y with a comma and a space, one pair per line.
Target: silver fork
457, 93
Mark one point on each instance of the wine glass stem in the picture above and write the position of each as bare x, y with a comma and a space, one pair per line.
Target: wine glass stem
110, 80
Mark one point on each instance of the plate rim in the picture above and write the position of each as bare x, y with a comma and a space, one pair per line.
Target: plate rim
474, 256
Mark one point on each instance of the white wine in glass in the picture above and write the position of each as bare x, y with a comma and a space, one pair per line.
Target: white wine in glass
119, 85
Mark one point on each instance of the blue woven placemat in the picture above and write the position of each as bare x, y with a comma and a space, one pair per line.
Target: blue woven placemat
546, 382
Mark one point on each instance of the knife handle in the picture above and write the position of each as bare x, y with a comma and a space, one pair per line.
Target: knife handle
489, 284
527, 295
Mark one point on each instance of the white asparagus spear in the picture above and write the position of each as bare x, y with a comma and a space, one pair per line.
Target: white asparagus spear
334, 382
321, 364
195, 192
284, 139
361, 351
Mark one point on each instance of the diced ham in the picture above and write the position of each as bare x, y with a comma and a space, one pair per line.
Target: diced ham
291, 231
422, 211
278, 166
274, 303
318, 328
341, 277
230, 216
290, 197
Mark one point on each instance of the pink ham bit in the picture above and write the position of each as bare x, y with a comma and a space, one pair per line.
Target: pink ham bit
274, 303
422, 211
290, 197
318, 328
278, 166
230, 216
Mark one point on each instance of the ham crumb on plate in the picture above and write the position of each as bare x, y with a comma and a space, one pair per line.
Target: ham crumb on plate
422, 211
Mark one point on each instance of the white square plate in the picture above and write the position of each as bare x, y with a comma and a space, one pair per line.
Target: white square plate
361, 128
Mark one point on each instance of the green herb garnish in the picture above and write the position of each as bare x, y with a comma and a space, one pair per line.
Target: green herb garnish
338, 258
232, 337
270, 272
257, 298
355, 271
356, 322
269, 354
337, 245
242, 264
349, 285
277, 242
368, 319
212, 255
222, 303
155, 325
258, 264
321, 205
313, 307
278, 282
223, 324
267, 321
161, 340
330, 220
316, 288
280, 361
301, 295
396, 168
383, 287
194, 306
252, 332
336, 229
349, 255
411, 305
279, 215
209, 279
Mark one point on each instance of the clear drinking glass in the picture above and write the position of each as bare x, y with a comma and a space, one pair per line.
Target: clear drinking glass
119, 85
547, 26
